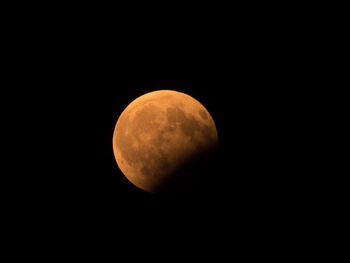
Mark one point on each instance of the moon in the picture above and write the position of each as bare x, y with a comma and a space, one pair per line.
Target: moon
161, 140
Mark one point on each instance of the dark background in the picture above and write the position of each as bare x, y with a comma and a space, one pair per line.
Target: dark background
80, 72
252, 186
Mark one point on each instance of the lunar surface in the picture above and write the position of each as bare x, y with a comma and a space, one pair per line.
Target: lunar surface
161, 139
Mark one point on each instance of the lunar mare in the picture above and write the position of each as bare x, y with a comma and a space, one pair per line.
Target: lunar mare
159, 134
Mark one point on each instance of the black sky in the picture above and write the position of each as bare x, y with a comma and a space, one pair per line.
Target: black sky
81, 74
241, 88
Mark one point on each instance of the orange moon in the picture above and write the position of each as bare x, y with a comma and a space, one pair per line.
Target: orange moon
160, 136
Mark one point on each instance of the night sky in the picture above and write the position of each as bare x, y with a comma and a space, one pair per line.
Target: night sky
82, 78
248, 179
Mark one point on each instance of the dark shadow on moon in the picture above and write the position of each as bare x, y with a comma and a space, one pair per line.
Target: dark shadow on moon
193, 178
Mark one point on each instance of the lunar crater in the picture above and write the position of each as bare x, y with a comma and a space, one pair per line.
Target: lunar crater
203, 114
